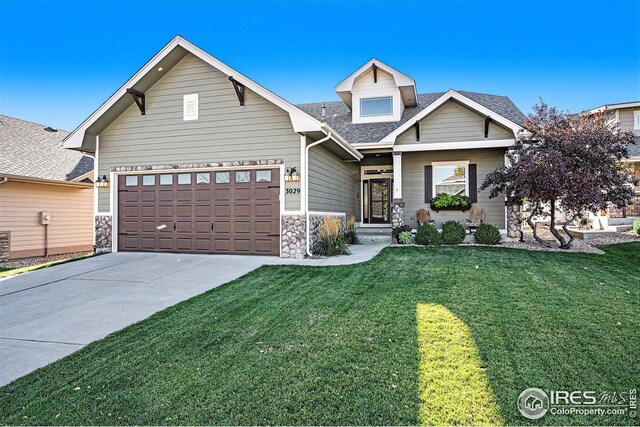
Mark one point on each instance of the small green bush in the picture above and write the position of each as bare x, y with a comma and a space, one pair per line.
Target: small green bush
453, 233
636, 226
487, 234
428, 234
404, 238
395, 231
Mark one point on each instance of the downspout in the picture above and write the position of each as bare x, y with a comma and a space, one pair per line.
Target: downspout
306, 185
4, 179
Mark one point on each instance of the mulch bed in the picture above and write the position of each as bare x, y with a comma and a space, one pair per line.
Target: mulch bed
28, 262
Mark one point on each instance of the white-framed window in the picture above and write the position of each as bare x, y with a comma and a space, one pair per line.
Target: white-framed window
184, 178
636, 120
148, 180
451, 178
203, 178
381, 106
131, 180
190, 107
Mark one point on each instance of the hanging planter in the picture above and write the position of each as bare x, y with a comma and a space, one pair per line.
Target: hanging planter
446, 202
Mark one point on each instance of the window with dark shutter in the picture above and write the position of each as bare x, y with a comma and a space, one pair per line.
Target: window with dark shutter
428, 183
473, 182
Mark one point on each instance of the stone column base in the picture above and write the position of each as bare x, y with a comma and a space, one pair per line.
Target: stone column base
514, 220
4, 246
397, 213
294, 237
103, 228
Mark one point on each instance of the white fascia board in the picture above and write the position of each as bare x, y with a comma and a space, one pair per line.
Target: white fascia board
452, 94
301, 121
463, 145
369, 145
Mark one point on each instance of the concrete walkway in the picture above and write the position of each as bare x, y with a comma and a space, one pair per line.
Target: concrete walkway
50, 313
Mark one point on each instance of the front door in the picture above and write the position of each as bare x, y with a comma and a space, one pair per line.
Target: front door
379, 206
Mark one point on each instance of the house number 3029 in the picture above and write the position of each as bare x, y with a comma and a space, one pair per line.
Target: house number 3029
292, 191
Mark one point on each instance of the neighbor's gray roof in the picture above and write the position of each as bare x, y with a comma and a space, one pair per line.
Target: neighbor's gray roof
338, 115
27, 149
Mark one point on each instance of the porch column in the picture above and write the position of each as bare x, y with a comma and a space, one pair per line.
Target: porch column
397, 212
397, 176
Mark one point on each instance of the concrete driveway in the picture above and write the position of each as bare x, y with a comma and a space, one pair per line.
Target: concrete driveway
50, 313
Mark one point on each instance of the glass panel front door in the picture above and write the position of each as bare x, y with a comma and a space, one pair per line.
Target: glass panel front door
379, 208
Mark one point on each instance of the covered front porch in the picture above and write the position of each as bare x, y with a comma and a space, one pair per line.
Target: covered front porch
396, 186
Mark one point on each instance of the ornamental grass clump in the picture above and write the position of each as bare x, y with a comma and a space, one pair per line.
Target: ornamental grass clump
350, 234
636, 227
330, 239
428, 234
487, 234
453, 233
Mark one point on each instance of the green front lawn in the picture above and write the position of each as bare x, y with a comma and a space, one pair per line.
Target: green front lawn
447, 335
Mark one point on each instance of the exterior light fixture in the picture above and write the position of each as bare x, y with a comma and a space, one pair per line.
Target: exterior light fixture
102, 182
291, 175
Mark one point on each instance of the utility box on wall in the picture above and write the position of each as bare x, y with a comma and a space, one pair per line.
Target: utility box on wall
45, 218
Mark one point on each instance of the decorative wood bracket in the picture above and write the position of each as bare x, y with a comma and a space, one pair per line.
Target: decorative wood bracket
239, 88
375, 73
417, 126
138, 97
487, 120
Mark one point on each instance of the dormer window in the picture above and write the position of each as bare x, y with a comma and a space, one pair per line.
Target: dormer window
382, 106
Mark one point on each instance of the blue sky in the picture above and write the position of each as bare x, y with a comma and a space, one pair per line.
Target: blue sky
59, 60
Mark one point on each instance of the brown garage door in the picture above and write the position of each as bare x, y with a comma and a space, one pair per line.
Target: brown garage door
226, 212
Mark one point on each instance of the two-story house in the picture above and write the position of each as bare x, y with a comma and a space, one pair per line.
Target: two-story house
193, 156
627, 115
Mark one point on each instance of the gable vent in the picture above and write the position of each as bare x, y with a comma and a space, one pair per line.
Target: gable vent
190, 104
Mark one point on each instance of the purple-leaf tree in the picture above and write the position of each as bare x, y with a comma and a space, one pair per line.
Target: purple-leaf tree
573, 163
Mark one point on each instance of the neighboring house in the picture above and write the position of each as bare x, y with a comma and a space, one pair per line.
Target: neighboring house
627, 114
199, 158
46, 192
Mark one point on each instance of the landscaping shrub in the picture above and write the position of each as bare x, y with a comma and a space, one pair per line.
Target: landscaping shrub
350, 235
428, 234
453, 233
404, 238
636, 226
487, 234
330, 238
395, 231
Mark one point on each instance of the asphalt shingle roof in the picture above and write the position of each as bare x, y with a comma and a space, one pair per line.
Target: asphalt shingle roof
27, 149
338, 115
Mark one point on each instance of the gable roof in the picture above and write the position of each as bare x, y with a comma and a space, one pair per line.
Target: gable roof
28, 150
405, 83
83, 137
338, 115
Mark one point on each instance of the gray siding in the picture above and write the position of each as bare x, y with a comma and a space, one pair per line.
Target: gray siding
334, 185
224, 130
413, 184
626, 119
453, 122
